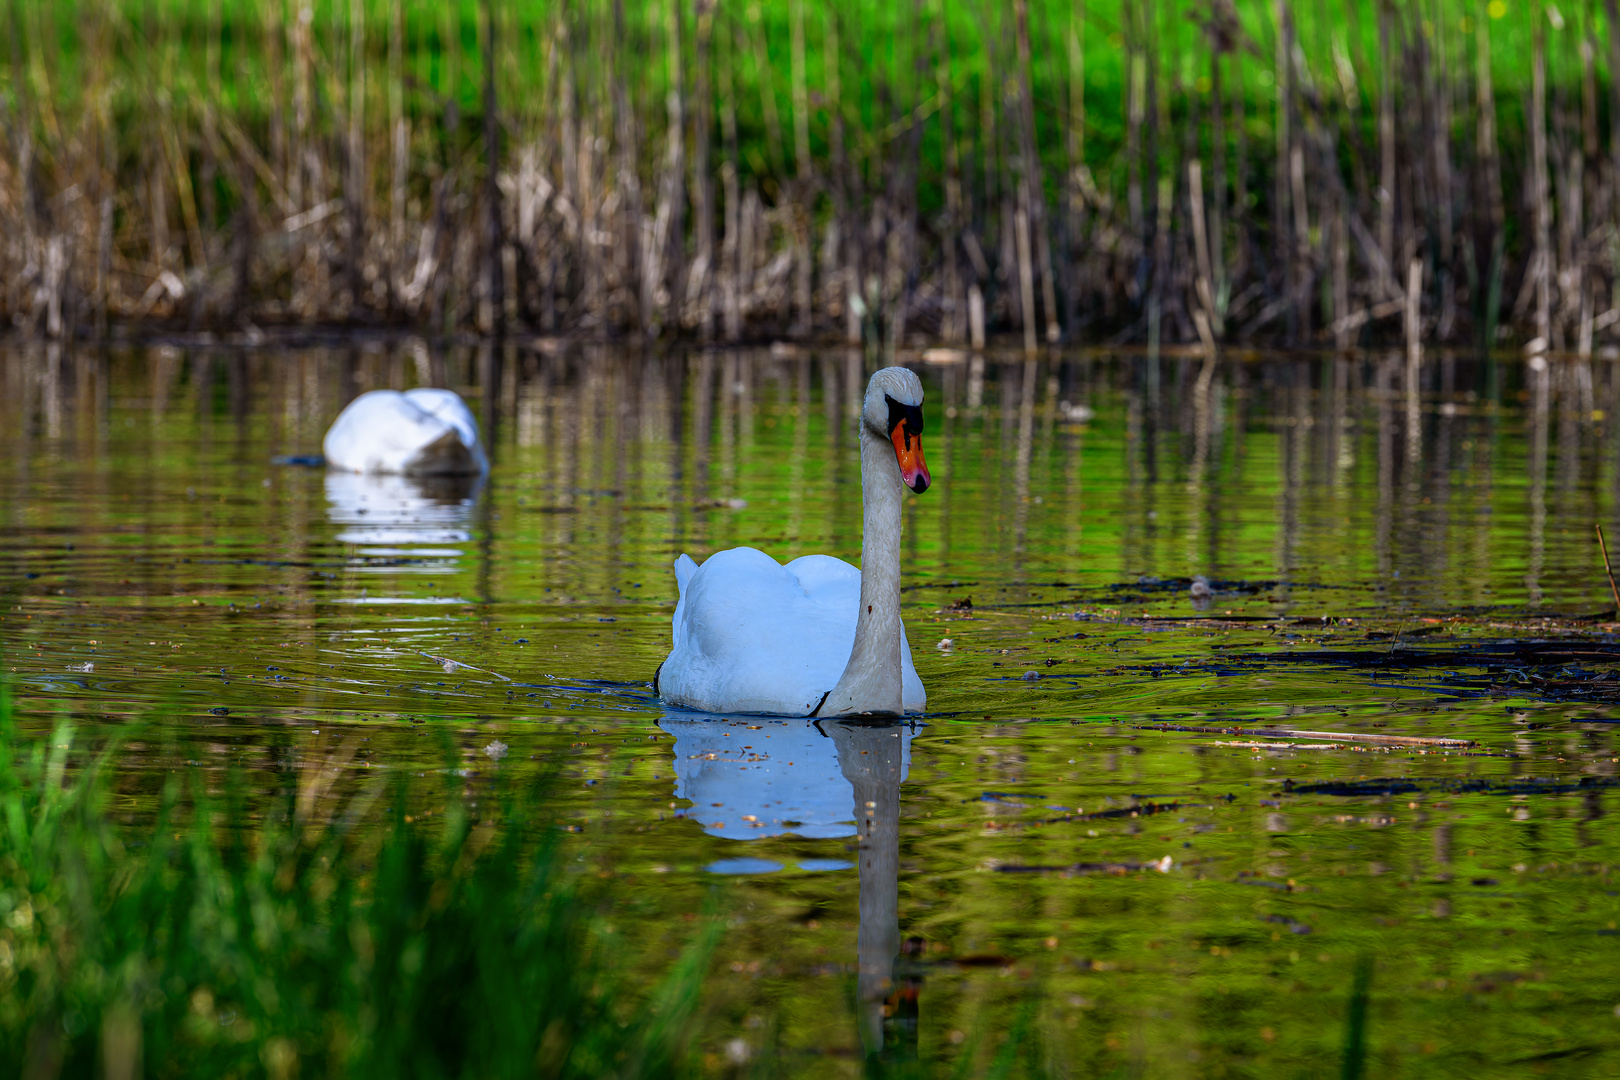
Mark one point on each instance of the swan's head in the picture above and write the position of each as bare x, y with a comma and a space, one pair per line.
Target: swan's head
893, 409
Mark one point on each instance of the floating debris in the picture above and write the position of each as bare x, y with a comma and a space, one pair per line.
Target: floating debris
1163, 866
450, 665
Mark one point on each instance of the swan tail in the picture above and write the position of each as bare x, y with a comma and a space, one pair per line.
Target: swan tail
684, 569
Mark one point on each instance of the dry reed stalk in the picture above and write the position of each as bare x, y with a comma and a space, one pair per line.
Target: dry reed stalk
632, 224
1589, 94
952, 303
1414, 359
270, 32
803, 191
1490, 250
1443, 213
1541, 206
703, 266
900, 201
730, 302
1386, 139
1195, 195
1034, 190
1076, 175
400, 130
668, 246
1222, 42
1159, 181
494, 265
1136, 66
175, 139
1583, 345
1026, 272
101, 164
1302, 261
1341, 276
1282, 242
354, 174
840, 295
1611, 9
989, 158
1240, 180
208, 172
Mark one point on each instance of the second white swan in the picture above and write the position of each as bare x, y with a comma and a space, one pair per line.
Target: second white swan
422, 432
816, 637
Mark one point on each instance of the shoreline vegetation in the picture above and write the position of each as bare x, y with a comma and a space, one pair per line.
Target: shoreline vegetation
318, 930
1422, 172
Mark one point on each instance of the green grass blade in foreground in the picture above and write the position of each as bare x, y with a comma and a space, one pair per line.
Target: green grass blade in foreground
199, 946
1355, 1025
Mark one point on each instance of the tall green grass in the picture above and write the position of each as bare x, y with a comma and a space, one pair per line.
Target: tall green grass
215, 943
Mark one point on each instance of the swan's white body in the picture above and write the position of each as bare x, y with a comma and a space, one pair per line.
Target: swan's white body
816, 637
754, 636
422, 432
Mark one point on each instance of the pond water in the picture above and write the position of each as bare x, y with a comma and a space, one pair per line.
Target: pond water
1127, 840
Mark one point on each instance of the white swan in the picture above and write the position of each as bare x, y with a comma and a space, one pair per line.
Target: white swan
422, 432
816, 637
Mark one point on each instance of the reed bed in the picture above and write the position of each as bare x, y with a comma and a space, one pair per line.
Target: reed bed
1157, 172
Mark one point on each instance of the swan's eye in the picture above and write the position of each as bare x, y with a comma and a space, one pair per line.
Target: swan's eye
910, 415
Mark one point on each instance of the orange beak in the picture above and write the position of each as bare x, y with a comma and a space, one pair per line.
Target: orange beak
908, 448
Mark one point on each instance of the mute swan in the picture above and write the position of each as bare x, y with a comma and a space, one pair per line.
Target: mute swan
816, 637
422, 432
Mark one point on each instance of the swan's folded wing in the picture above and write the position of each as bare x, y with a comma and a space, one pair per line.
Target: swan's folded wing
380, 432
749, 639
829, 581
684, 569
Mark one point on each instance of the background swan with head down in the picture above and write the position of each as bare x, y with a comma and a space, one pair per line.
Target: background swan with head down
816, 637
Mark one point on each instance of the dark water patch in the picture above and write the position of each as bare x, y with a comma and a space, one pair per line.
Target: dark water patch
1383, 787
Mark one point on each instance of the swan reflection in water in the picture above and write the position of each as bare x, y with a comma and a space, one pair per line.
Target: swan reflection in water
816, 779
401, 523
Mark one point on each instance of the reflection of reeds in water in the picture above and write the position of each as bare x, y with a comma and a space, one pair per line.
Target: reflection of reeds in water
1065, 463
617, 168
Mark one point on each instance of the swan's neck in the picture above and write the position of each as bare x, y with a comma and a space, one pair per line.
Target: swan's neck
871, 681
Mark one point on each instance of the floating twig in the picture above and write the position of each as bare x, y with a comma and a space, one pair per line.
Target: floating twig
1336, 736
451, 665
1608, 569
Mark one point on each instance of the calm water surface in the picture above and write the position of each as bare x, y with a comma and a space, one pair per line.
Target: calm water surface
1045, 867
